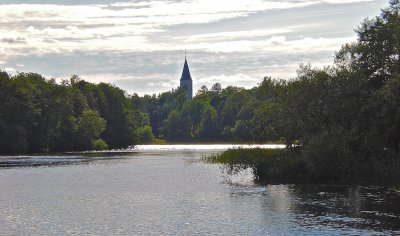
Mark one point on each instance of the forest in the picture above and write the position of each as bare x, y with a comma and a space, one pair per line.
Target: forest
332, 118
38, 115
341, 124
350, 105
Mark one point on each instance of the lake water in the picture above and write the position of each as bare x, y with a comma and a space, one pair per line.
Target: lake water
169, 190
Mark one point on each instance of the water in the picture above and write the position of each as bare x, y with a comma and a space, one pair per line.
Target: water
170, 191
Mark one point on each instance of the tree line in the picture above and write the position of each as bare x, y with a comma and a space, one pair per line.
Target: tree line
39, 115
356, 98
350, 109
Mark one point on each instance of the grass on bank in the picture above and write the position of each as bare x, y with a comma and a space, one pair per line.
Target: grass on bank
284, 166
269, 165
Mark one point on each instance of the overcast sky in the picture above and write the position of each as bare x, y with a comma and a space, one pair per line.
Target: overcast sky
139, 45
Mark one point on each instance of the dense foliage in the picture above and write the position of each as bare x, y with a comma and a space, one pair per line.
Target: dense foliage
213, 115
343, 122
39, 115
274, 166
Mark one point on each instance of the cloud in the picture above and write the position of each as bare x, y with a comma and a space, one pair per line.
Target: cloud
138, 45
17, 40
223, 36
346, 1
10, 70
150, 84
278, 44
238, 80
60, 28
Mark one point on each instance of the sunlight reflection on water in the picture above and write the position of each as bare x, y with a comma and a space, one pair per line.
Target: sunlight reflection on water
216, 147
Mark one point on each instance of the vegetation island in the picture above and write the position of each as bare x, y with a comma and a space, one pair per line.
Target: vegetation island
340, 124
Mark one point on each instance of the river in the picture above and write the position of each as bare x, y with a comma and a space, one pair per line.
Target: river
169, 190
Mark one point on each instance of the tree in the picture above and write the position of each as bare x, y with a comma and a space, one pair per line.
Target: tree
208, 126
216, 88
145, 134
202, 91
177, 127
89, 127
39, 115
377, 51
390, 115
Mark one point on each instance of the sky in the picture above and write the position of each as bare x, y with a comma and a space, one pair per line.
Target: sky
139, 45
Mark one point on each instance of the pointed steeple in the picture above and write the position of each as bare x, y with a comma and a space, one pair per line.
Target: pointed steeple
186, 72
186, 80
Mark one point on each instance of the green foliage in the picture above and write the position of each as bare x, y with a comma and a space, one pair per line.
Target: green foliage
38, 115
245, 157
158, 141
340, 124
177, 127
207, 129
390, 112
376, 53
322, 162
89, 127
99, 144
213, 115
116, 108
269, 165
145, 134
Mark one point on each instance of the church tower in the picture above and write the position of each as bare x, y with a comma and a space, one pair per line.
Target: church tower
186, 81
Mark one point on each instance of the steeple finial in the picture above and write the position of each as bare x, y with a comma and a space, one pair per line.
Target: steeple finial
185, 54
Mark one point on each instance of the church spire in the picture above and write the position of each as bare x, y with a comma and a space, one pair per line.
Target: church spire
186, 72
186, 80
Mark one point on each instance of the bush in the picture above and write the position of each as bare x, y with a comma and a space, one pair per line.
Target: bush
99, 144
145, 134
158, 141
269, 165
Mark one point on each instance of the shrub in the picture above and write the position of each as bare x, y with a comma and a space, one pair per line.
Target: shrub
99, 144
269, 165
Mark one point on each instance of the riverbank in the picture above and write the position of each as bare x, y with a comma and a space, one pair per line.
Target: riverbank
284, 166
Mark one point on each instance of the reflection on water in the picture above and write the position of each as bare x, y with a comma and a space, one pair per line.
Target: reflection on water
58, 160
212, 147
166, 190
371, 209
